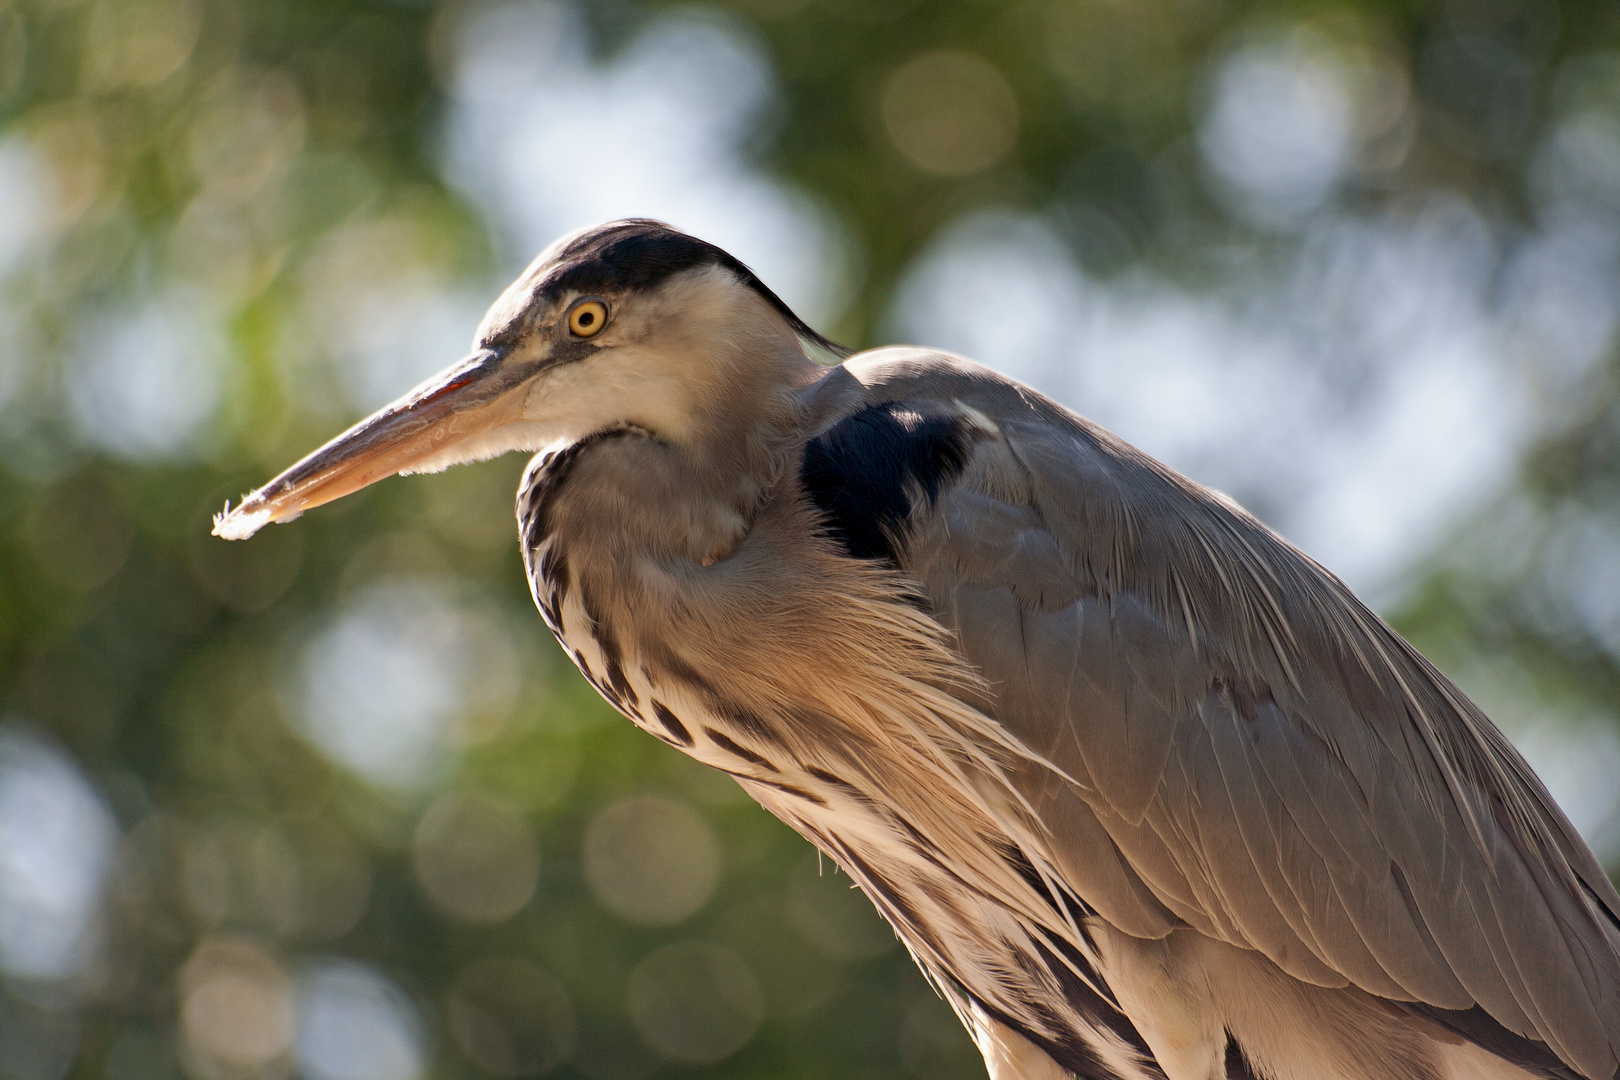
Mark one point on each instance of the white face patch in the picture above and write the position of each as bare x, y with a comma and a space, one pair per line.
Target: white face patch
626, 385
520, 435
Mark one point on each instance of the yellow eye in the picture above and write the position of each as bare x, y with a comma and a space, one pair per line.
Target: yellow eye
587, 319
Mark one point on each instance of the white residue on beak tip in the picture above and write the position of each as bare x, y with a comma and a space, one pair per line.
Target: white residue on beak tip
239, 524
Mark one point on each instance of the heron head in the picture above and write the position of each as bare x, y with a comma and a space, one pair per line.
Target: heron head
631, 323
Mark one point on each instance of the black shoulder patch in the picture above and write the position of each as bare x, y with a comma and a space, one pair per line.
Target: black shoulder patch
867, 472
639, 253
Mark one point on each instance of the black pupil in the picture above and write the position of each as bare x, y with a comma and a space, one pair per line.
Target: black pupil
586, 318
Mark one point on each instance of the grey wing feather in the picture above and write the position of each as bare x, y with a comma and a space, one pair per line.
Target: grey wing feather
1255, 754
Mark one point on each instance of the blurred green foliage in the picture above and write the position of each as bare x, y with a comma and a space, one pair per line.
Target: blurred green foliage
215, 148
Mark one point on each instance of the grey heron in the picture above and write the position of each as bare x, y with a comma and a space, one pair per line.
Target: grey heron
1146, 791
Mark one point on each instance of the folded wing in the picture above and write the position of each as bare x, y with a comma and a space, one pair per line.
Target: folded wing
1247, 749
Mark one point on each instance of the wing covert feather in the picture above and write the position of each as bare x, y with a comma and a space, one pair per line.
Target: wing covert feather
1255, 754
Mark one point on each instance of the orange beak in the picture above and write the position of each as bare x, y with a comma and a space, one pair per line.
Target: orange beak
470, 398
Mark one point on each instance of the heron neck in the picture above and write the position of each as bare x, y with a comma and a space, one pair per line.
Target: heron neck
741, 435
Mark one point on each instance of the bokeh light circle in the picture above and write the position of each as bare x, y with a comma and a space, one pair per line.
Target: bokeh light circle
652, 859
510, 1018
475, 860
236, 1007
695, 1001
950, 113
355, 1024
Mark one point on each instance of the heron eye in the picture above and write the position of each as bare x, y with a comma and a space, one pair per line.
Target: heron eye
588, 318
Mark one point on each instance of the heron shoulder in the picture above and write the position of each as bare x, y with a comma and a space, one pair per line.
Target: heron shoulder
916, 374
1107, 492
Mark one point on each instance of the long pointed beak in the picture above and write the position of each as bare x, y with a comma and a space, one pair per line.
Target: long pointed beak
470, 398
